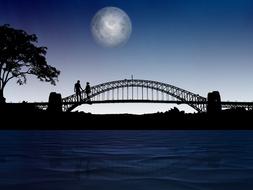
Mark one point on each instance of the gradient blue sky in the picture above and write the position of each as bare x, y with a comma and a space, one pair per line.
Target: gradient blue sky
198, 45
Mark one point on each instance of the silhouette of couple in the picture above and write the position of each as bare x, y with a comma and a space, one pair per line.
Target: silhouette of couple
78, 90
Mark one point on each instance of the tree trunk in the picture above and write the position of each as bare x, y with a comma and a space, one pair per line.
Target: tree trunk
2, 99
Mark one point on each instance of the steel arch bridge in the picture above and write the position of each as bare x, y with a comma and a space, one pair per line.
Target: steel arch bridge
136, 91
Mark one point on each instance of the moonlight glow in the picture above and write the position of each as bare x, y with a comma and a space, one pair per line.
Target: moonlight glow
111, 27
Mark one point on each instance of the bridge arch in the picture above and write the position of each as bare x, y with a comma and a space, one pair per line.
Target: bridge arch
167, 89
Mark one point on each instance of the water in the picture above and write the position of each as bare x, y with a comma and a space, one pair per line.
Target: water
135, 160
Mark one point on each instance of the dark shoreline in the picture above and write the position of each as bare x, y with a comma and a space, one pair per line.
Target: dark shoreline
26, 118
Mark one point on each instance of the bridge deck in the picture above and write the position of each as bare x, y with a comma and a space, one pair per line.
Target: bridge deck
143, 101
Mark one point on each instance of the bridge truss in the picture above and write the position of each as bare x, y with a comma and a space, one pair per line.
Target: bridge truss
134, 90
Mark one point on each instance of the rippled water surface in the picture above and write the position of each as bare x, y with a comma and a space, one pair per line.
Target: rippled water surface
141, 160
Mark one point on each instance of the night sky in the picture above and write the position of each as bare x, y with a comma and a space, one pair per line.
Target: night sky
197, 45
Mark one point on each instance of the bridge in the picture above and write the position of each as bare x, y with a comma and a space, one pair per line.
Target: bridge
141, 91
136, 91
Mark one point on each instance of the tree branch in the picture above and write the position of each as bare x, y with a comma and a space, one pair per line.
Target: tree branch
3, 75
4, 83
6, 77
1, 66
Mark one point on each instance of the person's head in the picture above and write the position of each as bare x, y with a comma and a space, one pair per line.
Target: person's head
78, 81
87, 83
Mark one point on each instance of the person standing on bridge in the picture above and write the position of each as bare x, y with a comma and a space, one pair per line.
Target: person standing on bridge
77, 90
88, 90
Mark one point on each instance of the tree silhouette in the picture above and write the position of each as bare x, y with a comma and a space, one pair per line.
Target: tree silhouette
20, 57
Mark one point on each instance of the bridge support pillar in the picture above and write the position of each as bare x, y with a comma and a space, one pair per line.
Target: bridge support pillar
213, 102
55, 102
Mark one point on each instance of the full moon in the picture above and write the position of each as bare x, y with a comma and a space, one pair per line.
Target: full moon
111, 27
